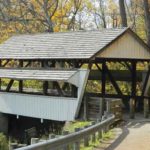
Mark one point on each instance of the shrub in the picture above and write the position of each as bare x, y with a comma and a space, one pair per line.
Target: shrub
3, 142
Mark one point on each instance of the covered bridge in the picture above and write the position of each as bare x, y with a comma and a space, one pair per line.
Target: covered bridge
57, 61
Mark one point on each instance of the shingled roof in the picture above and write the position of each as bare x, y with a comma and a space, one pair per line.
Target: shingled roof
64, 45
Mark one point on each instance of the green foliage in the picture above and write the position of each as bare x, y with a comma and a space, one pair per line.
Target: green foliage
35, 84
77, 124
80, 124
3, 142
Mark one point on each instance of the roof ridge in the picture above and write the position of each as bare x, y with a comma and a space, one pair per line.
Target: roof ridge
66, 32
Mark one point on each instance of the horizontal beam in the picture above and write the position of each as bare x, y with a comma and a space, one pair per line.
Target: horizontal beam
119, 75
84, 60
116, 96
98, 59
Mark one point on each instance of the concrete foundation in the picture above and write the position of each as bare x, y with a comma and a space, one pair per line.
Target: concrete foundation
3, 123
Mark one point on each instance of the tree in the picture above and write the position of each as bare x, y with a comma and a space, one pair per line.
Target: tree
123, 13
100, 13
147, 19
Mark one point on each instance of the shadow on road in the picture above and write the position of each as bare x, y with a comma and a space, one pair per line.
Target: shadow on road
118, 140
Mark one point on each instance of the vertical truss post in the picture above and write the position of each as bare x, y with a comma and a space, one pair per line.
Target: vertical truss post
133, 92
45, 83
20, 81
103, 78
103, 85
0, 78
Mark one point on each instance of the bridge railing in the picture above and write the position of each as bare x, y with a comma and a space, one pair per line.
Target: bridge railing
74, 139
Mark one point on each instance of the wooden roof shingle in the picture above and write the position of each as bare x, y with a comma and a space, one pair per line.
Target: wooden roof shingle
34, 74
64, 45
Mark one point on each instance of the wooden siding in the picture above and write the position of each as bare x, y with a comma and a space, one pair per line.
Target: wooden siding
45, 107
127, 46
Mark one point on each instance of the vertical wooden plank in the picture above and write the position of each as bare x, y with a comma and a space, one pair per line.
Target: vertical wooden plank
20, 81
85, 117
101, 107
132, 108
146, 108
0, 78
103, 78
103, 85
133, 93
45, 83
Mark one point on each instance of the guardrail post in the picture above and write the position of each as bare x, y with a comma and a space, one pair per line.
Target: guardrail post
100, 134
146, 108
34, 140
108, 106
52, 136
86, 139
67, 146
103, 118
13, 146
77, 143
74, 138
93, 136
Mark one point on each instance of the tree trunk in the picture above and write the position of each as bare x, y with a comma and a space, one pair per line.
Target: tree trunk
147, 19
123, 13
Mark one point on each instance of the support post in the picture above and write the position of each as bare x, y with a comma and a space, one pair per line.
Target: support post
103, 78
101, 106
77, 143
3, 123
34, 140
67, 146
146, 108
103, 85
100, 134
132, 108
133, 93
85, 117
86, 139
45, 83
0, 78
20, 81
93, 136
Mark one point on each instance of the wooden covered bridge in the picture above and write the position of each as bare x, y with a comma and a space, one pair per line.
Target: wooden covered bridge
62, 64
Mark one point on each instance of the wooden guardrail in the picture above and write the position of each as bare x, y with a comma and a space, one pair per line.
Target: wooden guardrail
75, 138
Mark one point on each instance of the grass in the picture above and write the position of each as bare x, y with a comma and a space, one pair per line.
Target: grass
80, 124
3, 142
76, 124
91, 146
